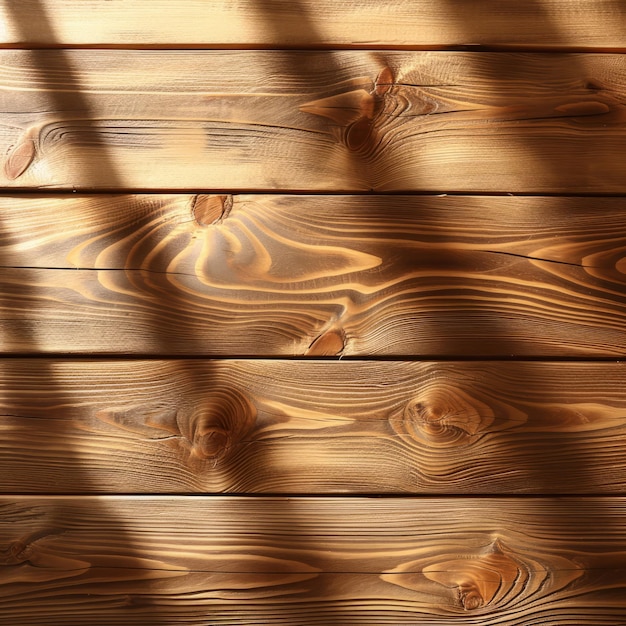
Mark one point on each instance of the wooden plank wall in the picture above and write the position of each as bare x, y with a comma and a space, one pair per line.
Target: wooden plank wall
312, 312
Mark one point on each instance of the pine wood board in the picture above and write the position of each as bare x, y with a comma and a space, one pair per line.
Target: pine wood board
312, 427
259, 275
312, 120
267, 275
308, 23
313, 560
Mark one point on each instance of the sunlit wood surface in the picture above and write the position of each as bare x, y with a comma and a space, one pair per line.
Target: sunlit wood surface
306, 23
312, 313
319, 121
269, 275
312, 427
312, 561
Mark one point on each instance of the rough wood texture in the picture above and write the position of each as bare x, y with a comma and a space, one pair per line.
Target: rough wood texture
312, 561
313, 276
207, 272
312, 427
330, 121
306, 23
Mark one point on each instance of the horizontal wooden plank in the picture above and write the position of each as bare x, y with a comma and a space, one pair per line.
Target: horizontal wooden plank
316, 276
312, 561
329, 121
313, 22
312, 427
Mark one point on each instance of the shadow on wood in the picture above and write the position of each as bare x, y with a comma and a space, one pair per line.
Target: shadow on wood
470, 578
73, 575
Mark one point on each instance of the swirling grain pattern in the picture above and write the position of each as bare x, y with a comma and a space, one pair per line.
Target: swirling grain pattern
316, 276
312, 427
366, 23
142, 488
319, 121
313, 560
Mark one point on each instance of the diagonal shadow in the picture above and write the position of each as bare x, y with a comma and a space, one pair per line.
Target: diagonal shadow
582, 114
359, 121
361, 130
140, 606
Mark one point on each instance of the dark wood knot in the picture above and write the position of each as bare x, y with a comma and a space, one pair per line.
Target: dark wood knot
208, 210
356, 111
487, 578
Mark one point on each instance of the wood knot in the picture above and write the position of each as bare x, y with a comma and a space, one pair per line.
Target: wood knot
207, 210
15, 553
223, 419
358, 134
211, 441
19, 158
487, 578
480, 580
22, 550
470, 599
330, 343
354, 111
444, 415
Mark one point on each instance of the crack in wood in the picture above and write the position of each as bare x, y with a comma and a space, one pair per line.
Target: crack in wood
536, 258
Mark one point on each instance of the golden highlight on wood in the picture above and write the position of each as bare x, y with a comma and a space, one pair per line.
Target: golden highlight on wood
312, 313
321, 121
295, 561
309, 23
276, 275
312, 427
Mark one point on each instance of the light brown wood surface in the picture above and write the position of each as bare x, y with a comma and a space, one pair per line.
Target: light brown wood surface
319, 121
310, 561
306, 23
312, 427
225, 106
313, 276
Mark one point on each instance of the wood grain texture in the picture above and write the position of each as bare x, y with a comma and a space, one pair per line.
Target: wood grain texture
313, 276
212, 273
319, 121
312, 427
306, 23
312, 561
